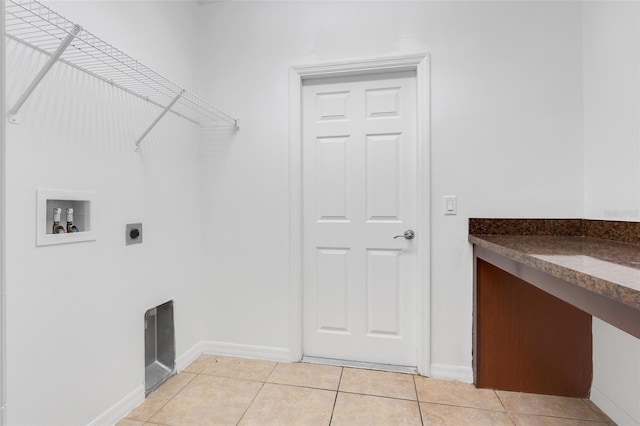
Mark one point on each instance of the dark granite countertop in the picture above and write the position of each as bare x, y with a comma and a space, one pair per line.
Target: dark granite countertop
608, 268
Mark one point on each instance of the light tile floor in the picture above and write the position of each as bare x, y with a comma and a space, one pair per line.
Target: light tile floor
221, 390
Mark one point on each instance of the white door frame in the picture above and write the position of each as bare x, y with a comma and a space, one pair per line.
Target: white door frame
419, 64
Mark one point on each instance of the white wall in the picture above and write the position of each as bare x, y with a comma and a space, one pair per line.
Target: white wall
3, 123
612, 177
506, 138
612, 110
75, 312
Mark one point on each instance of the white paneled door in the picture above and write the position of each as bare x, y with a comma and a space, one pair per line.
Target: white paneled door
359, 192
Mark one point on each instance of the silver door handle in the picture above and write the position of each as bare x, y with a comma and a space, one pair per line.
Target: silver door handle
407, 234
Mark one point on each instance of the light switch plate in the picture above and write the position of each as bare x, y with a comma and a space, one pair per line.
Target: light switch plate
130, 233
450, 205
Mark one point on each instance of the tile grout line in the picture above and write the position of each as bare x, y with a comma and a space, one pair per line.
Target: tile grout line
601, 415
335, 400
387, 396
378, 396
173, 396
147, 422
257, 393
169, 400
504, 406
554, 415
250, 404
473, 407
415, 387
548, 416
154, 423
305, 387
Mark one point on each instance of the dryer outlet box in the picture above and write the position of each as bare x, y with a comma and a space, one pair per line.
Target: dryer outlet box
133, 233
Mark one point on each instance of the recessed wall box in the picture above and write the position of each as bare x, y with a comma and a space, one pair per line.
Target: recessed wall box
82, 204
159, 346
133, 233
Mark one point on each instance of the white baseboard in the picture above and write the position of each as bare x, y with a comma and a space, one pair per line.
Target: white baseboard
189, 356
245, 351
452, 372
123, 407
611, 409
136, 397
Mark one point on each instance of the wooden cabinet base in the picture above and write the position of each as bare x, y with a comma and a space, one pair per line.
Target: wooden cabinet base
527, 340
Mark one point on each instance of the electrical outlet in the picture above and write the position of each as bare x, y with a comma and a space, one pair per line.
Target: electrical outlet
133, 233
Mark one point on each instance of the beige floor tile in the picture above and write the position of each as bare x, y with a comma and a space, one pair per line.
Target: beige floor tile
445, 415
160, 396
304, 394
129, 422
209, 400
531, 420
200, 364
355, 410
547, 405
599, 412
451, 392
148, 408
174, 385
240, 368
290, 405
379, 383
308, 375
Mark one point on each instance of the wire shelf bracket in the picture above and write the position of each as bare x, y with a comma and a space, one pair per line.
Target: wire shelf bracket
164, 111
39, 27
13, 112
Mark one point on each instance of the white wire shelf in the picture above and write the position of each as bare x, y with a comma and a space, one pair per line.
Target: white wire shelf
38, 26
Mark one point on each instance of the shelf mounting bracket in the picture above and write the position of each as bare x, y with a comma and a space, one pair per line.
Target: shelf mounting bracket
45, 69
162, 114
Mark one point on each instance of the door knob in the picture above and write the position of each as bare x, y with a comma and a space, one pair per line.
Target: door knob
407, 234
